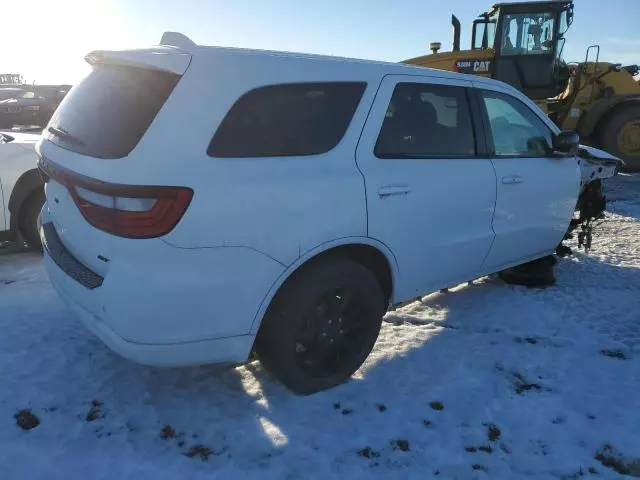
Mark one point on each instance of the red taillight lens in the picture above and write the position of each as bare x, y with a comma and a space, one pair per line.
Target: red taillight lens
130, 211
168, 207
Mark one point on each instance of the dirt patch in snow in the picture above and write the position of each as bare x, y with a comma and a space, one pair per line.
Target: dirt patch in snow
493, 432
95, 411
611, 458
619, 354
26, 420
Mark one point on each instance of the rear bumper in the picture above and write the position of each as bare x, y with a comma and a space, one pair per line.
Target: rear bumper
166, 306
230, 350
57, 252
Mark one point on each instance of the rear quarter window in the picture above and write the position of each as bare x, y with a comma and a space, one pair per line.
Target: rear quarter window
108, 113
287, 120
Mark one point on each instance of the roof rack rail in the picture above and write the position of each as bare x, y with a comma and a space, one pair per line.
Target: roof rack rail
177, 39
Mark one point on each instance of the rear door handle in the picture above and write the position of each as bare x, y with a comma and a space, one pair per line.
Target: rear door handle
390, 190
511, 180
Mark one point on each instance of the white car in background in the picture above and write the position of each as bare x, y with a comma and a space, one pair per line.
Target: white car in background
21, 187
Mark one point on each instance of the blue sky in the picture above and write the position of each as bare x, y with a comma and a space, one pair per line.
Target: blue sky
59, 33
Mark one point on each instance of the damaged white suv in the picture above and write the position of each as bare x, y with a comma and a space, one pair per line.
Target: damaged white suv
205, 202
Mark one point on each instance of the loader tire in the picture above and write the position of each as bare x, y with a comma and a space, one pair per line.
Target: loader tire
619, 135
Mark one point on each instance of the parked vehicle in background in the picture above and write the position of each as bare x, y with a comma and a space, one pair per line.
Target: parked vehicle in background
30, 105
21, 187
304, 196
9, 92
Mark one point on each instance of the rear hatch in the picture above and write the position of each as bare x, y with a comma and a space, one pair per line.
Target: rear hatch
96, 195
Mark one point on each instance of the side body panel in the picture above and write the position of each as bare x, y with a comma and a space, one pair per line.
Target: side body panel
280, 206
434, 214
536, 198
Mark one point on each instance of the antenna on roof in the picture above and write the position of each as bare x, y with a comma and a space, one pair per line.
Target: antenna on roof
177, 39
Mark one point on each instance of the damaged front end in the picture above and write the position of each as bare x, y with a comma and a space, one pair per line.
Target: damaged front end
595, 167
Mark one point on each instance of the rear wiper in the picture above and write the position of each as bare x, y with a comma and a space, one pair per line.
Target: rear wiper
58, 132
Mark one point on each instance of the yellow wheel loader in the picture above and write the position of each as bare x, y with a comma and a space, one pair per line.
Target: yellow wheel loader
521, 44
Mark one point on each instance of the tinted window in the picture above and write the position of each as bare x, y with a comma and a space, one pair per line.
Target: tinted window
426, 121
107, 114
515, 129
287, 120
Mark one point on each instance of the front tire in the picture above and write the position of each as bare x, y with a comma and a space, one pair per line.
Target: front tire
29, 219
322, 326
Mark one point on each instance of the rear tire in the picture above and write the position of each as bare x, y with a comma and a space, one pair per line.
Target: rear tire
322, 326
29, 219
619, 135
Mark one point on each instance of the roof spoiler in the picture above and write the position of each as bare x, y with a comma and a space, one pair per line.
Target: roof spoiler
163, 57
177, 39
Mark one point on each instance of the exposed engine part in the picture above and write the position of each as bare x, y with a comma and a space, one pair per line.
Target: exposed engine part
591, 206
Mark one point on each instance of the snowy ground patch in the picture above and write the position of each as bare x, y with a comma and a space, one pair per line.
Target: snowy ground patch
487, 381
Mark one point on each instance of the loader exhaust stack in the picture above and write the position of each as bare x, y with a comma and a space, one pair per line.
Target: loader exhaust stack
456, 33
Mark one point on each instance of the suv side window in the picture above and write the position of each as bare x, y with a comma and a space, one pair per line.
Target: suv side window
426, 121
287, 120
515, 129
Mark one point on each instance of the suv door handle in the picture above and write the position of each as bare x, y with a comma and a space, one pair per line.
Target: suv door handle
511, 180
390, 190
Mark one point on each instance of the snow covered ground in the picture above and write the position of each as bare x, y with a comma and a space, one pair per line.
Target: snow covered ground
487, 381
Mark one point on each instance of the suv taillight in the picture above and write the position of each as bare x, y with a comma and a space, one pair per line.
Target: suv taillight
130, 211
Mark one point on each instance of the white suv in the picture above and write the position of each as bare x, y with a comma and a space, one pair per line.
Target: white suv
204, 202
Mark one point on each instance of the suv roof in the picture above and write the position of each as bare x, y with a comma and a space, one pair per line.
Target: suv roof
178, 43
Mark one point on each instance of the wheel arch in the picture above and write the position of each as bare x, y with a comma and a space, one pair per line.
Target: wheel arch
27, 184
371, 253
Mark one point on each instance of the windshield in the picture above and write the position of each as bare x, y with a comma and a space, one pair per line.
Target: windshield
528, 34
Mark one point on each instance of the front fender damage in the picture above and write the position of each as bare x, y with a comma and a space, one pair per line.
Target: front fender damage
595, 167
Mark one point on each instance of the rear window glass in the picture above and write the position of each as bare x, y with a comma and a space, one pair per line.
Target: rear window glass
424, 121
107, 114
287, 120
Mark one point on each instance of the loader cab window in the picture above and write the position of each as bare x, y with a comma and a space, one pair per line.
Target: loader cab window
566, 17
565, 22
528, 34
484, 32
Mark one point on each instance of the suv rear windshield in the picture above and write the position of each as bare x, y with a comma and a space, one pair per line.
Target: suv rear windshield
107, 114
287, 120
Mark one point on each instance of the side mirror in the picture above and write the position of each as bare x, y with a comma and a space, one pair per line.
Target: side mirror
567, 142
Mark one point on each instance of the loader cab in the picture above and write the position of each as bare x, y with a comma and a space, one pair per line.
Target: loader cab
527, 39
